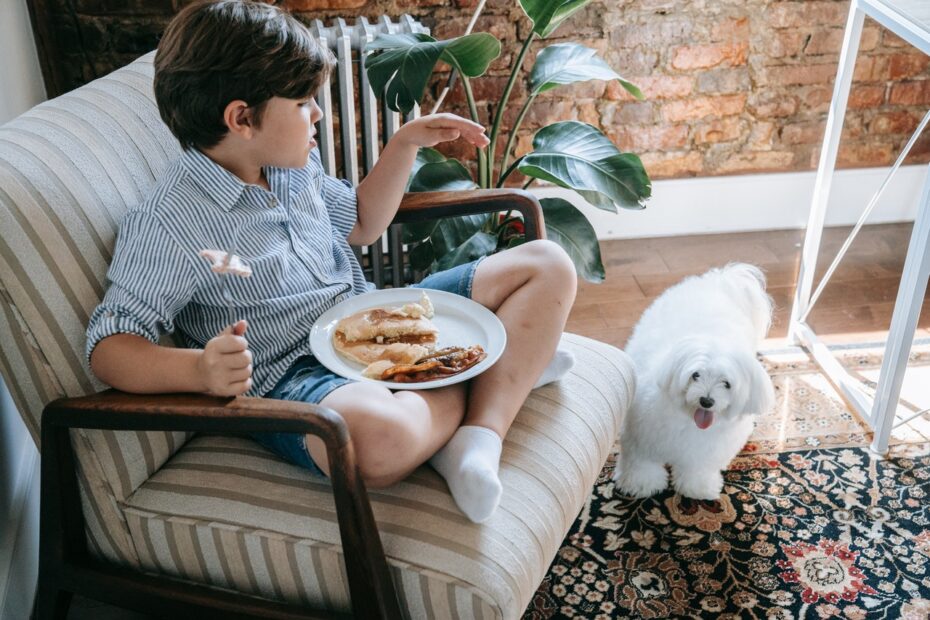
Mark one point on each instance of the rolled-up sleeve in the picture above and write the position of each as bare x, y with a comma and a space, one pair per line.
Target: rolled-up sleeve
150, 282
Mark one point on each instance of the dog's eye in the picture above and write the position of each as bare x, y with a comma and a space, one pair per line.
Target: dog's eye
726, 384
696, 376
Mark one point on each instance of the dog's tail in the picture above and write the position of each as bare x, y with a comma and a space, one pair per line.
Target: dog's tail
748, 283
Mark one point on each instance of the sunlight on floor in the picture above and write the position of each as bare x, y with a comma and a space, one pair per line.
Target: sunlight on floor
818, 410
915, 397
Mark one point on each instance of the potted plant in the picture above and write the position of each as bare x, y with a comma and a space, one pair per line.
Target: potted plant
569, 154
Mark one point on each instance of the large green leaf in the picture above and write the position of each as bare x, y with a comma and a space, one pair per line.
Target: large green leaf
548, 14
568, 63
452, 241
418, 231
472, 53
422, 256
578, 156
478, 245
452, 232
575, 138
400, 64
568, 227
425, 155
444, 176
433, 172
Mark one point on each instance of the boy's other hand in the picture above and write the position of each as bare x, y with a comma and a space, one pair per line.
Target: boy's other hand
226, 363
432, 129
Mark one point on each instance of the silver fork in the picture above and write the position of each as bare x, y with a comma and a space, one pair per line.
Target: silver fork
227, 294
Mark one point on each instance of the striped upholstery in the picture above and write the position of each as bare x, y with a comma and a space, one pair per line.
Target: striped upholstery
225, 512
69, 169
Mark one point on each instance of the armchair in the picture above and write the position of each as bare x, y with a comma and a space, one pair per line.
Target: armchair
159, 503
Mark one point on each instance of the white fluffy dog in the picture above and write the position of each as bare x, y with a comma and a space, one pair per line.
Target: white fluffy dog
698, 383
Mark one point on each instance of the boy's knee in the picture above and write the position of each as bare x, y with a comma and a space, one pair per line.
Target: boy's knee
553, 263
385, 442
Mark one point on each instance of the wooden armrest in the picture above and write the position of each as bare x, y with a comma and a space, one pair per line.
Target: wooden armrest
62, 525
418, 206
115, 410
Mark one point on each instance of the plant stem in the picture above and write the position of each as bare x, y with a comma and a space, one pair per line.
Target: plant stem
527, 184
506, 173
483, 177
512, 137
471, 24
499, 115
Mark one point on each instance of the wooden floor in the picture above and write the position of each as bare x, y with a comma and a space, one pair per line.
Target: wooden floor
856, 305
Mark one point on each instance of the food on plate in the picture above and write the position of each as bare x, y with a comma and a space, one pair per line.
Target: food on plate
222, 262
375, 369
401, 335
442, 363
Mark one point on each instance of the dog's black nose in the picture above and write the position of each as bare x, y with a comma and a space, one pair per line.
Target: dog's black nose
707, 402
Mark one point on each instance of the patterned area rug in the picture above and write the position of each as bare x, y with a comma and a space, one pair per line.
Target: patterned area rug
810, 525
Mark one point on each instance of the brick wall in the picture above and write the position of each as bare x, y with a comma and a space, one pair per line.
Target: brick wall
732, 86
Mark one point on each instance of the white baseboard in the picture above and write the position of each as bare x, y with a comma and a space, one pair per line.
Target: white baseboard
753, 202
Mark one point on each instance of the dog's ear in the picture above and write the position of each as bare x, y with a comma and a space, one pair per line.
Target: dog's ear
761, 391
668, 371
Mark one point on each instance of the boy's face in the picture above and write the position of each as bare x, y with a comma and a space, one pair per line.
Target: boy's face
286, 135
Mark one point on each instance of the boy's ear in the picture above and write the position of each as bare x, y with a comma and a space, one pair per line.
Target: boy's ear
238, 118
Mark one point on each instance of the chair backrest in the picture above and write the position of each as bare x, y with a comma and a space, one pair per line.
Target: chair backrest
69, 170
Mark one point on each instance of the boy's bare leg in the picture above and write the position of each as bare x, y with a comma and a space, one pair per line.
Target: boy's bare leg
531, 288
393, 433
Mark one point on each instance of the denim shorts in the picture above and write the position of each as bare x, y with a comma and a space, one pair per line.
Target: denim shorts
309, 381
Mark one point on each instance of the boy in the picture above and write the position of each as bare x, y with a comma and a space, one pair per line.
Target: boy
234, 81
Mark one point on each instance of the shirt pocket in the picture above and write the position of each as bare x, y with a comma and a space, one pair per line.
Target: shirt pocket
313, 239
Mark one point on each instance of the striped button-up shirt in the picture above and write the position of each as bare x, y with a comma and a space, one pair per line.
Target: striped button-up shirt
293, 237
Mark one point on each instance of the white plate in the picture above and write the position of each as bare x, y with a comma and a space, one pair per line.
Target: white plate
461, 323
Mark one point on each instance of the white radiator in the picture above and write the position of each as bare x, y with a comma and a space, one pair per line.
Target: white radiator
358, 119
346, 42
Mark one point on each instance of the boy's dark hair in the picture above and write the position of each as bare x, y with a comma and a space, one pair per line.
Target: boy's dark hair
213, 53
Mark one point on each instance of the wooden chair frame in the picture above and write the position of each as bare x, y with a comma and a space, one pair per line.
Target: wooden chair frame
66, 567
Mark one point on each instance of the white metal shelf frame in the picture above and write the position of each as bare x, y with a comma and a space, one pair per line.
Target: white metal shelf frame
910, 20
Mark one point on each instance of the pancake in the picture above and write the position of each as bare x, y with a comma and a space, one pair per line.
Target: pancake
401, 335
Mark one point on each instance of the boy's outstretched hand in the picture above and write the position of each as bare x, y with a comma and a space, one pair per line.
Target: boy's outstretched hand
381, 191
226, 363
432, 129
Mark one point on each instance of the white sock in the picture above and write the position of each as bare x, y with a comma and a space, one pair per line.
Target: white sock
469, 463
558, 367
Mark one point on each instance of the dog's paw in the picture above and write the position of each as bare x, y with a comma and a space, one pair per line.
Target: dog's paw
641, 480
699, 485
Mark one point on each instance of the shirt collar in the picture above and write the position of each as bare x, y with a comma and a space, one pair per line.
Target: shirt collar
221, 185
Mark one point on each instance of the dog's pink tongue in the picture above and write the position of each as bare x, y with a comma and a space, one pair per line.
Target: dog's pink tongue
703, 418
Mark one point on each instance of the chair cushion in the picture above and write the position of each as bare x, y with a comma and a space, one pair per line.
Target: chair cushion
225, 512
